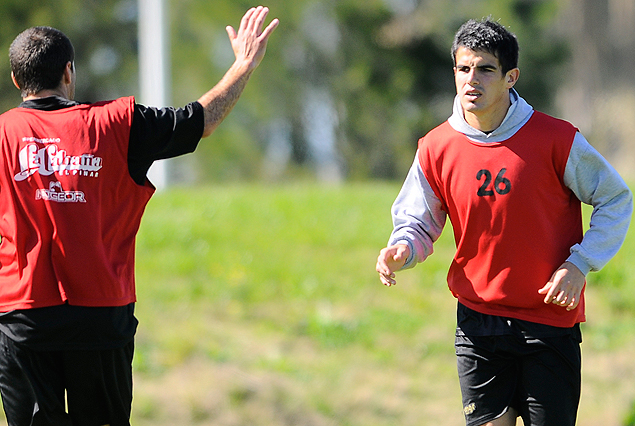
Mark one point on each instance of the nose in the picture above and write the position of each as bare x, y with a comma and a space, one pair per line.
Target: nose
472, 78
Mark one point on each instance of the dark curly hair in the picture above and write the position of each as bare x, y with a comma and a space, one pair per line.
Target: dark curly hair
38, 57
488, 36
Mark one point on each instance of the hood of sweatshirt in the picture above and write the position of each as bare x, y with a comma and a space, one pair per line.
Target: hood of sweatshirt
517, 115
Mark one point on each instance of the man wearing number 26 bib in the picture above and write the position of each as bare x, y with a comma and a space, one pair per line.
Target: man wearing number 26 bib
511, 180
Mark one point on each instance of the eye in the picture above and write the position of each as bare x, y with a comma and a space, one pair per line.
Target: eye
488, 69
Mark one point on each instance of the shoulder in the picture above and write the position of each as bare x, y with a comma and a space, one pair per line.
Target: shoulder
127, 102
16, 116
552, 123
9, 113
14, 111
118, 110
442, 129
439, 137
550, 131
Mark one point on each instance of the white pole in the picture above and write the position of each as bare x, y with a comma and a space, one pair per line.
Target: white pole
153, 69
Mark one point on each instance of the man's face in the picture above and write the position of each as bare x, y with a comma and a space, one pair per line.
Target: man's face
482, 88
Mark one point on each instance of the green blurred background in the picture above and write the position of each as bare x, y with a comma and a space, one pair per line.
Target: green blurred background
258, 300
347, 86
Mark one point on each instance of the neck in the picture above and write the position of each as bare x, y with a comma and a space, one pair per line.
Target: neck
46, 93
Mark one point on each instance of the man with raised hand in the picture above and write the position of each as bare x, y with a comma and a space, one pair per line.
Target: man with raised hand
73, 188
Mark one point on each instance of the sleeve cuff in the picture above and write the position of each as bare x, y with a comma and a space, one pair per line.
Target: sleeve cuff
580, 263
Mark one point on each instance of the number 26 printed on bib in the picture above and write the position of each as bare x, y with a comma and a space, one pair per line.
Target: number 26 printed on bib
501, 185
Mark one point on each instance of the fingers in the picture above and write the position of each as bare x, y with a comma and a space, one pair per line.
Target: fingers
386, 276
391, 259
548, 290
387, 279
258, 19
564, 289
252, 22
564, 299
249, 42
231, 32
272, 26
246, 21
254, 19
555, 294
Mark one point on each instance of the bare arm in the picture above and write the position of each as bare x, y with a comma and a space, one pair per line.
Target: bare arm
249, 45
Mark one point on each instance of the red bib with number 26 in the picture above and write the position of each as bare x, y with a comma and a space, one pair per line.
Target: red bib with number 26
514, 219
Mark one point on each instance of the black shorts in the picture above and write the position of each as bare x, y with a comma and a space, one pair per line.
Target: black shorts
36, 386
539, 377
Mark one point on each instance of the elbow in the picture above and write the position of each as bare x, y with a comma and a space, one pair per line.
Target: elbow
627, 201
209, 129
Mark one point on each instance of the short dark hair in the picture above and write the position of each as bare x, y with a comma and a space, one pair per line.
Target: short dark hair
38, 57
491, 37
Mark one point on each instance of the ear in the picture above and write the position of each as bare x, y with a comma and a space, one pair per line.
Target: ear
15, 82
512, 77
67, 78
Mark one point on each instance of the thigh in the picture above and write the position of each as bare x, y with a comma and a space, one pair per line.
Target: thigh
488, 375
99, 386
31, 385
551, 382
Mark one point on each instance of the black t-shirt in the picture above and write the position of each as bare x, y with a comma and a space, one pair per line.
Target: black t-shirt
155, 134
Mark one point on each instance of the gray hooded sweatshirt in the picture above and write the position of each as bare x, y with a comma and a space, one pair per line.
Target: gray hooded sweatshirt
418, 218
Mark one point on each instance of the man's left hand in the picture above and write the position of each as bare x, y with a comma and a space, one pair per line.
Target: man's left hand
565, 286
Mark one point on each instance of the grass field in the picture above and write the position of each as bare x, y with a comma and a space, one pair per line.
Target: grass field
259, 305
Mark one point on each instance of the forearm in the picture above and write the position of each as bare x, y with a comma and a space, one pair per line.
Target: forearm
249, 44
594, 181
221, 99
418, 218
